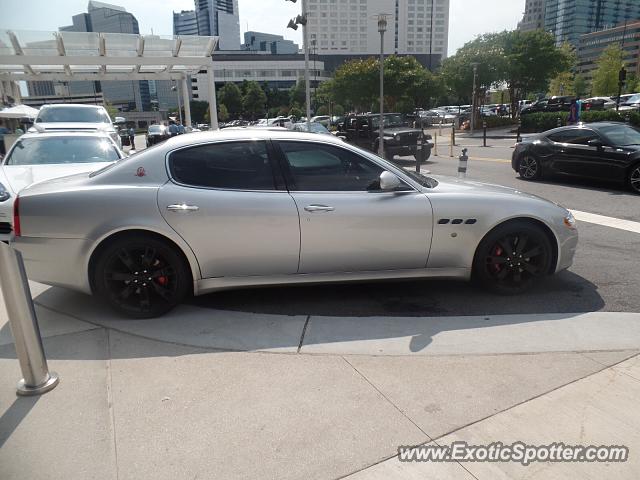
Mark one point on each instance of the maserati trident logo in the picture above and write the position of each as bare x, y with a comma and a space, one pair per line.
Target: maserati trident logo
140, 172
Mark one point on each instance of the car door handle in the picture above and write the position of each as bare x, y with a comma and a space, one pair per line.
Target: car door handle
182, 207
318, 208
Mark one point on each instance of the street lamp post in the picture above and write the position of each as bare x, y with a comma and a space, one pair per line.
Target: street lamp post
302, 20
176, 89
382, 27
473, 99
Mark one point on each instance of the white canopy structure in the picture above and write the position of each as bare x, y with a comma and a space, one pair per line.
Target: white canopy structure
70, 56
19, 111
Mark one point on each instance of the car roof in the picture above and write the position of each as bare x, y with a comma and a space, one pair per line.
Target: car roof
65, 133
235, 133
69, 105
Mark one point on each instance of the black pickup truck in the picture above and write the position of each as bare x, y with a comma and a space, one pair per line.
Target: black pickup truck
399, 139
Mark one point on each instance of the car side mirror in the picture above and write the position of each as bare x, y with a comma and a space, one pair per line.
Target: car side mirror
596, 142
389, 181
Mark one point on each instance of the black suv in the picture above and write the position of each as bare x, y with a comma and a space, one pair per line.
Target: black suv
399, 139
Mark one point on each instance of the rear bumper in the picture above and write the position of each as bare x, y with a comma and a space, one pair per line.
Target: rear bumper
60, 262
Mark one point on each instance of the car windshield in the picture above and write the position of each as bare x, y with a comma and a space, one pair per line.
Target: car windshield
156, 129
72, 114
61, 150
389, 121
621, 135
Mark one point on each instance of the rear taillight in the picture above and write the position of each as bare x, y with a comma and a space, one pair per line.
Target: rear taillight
16, 217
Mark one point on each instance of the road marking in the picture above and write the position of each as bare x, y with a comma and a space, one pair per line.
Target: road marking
612, 222
485, 159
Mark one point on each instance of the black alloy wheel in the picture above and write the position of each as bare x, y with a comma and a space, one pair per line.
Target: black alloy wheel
512, 257
529, 168
634, 178
141, 277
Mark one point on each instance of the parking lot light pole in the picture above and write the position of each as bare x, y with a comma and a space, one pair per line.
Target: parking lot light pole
302, 20
382, 27
473, 99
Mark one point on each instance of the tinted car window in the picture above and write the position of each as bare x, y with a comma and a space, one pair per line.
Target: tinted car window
317, 167
622, 135
57, 150
576, 136
72, 114
234, 165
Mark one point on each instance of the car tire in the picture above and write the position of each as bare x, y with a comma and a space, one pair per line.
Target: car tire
529, 167
141, 276
512, 257
633, 178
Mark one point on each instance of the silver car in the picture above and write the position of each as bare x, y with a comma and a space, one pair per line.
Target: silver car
239, 208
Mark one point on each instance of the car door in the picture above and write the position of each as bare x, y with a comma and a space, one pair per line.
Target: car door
574, 154
347, 224
227, 202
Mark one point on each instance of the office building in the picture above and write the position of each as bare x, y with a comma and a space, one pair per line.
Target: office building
103, 17
185, 23
568, 19
591, 46
533, 17
266, 42
348, 28
277, 71
212, 18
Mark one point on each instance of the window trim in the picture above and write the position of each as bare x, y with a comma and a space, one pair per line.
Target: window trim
279, 185
286, 172
597, 134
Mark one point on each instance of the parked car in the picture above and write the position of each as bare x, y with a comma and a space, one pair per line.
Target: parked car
608, 102
35, 157
631, 103
399, 139
157, 134
71, 117
603, 150
323, 211
323, 119
314, 128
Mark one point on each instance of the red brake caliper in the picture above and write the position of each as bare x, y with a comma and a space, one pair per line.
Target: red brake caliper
497, 251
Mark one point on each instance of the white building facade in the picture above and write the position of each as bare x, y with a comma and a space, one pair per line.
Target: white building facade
349, 27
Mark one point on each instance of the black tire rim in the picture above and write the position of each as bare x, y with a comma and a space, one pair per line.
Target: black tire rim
140, 279
634, 179
528, 167
516, 259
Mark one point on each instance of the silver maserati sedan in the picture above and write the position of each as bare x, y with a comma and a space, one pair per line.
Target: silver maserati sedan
239, 208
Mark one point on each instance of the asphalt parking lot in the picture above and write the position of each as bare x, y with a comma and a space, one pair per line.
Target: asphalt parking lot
604, 276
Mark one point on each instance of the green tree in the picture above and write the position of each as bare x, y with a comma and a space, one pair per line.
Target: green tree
298, 94
605, 76
111, 110
223, 113
254, 102
198, 109
563, 84
295, 112
231, 96
632, 85
356, 83
580, 86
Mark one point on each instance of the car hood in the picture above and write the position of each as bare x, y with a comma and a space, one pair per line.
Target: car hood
456, 185
21, 176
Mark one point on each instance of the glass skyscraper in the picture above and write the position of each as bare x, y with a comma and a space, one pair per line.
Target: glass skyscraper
568, 19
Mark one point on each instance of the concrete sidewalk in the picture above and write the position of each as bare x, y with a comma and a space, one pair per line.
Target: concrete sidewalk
312, 397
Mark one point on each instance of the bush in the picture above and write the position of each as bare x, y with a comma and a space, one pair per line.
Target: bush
493, 122
542, 121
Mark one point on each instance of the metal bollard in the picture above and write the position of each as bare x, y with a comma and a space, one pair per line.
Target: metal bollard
518, 137
559, 122
462, 164
484, 134
435, 145
440, 126
627, 119
419, 149
24, 325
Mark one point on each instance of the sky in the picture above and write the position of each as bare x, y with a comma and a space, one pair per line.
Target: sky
468, 18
